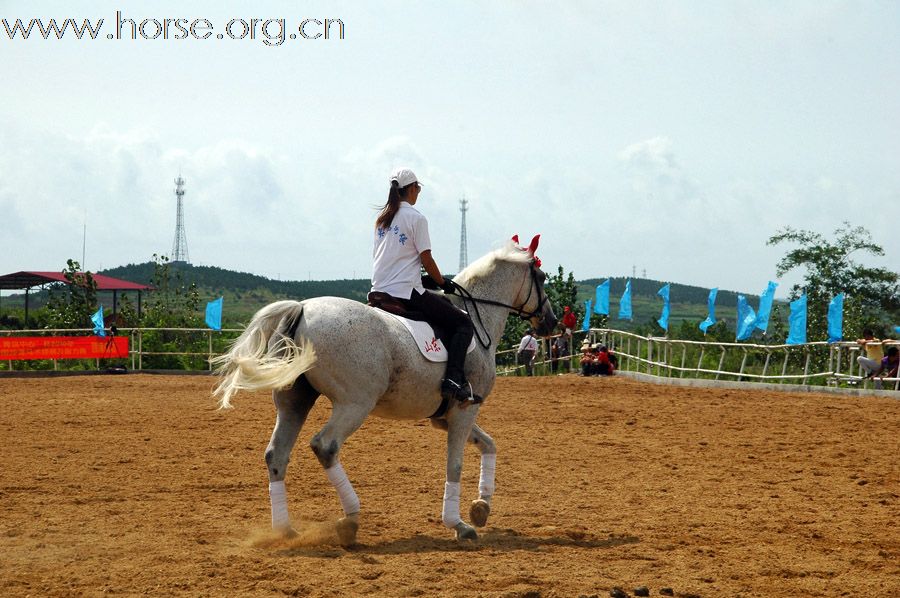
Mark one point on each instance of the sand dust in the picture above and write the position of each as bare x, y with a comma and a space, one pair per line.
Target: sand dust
137, 484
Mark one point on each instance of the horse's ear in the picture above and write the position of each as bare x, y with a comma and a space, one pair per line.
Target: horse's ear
515, 239
534, 244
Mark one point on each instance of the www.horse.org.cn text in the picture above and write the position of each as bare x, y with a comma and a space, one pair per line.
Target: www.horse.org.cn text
269, 31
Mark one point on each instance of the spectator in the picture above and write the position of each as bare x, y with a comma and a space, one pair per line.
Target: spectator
559, 351
609, 363
888, 366
601, 358
587, 359
527, 350
568, 321
874, 353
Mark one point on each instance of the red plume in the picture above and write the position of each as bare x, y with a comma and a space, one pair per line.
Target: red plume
515, 239
534, 244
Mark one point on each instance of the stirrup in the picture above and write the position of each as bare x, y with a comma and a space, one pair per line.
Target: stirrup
451, 389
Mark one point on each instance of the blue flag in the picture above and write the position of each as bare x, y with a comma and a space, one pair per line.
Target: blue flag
711, 306
625, 303
746, 319
897, 329
601, 305
97, 319
836, 319
663, 320
797, 320
765, 306
214, 314
587, 316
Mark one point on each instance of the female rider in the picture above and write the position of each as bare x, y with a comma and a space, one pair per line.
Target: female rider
402, 248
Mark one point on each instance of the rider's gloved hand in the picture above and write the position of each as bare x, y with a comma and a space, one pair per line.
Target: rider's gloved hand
429, 283
448, 286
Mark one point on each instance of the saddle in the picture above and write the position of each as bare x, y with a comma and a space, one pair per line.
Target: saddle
432, 340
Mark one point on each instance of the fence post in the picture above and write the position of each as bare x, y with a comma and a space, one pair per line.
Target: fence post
787, 354
209, 359
683, 358
650, 356
806, 367
721, 361
700, 361
140, 349
743, 363
766, 364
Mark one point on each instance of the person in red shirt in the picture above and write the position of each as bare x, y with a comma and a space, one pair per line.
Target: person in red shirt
568, 320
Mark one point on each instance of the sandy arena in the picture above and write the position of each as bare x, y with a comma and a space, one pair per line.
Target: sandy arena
137, 484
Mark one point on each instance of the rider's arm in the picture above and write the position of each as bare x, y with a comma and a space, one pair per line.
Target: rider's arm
431, 267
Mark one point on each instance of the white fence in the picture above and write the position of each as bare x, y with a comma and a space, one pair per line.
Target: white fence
812, 363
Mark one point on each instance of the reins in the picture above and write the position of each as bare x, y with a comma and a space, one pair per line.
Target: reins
468, 298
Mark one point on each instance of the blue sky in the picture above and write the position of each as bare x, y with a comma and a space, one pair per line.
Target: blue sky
674, 137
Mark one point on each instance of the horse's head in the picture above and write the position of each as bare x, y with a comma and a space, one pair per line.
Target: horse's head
531, 300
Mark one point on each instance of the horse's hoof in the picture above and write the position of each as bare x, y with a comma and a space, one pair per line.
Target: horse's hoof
479, 512
346, 530
465, 531
285, 532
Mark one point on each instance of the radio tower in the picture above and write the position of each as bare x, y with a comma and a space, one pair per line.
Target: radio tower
179, 247
463, 242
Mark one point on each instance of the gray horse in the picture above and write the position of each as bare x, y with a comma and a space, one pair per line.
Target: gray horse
365, 361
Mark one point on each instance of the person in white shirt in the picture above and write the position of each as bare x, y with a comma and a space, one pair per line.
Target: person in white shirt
402, 247
527, 350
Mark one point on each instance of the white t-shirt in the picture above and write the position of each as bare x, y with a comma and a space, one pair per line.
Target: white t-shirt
528, 344
397, 267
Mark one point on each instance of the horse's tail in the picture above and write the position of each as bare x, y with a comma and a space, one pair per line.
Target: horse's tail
265, 354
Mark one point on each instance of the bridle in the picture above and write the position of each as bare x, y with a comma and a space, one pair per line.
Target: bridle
520, 311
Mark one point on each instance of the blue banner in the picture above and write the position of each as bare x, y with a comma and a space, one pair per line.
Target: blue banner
214, 314
625, 303
711, 307
601, 305
797, 321
746, 319
97, 319
897, 329
836, 319
586, 325
765, 306
663, 320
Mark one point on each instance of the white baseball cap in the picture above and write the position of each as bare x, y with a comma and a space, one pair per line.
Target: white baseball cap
404, 177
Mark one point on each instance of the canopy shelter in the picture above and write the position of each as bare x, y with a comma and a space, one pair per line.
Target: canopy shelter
29, 280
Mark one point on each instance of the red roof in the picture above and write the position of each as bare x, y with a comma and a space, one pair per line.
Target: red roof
25, 280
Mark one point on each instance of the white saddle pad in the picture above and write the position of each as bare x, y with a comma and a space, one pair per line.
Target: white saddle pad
423, 334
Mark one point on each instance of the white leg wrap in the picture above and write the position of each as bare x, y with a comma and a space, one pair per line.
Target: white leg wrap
450, 513
278, 498
486, 481
338, 479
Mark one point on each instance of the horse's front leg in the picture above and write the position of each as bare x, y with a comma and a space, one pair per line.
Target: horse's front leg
459, 426
293, 405
480, 508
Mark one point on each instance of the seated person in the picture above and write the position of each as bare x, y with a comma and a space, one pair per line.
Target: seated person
888, 366
587, 360
614, 360
601, 359
874, 353
607, 362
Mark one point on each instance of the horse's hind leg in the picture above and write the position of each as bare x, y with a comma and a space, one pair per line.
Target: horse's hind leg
480, 508
293, 405
345, 419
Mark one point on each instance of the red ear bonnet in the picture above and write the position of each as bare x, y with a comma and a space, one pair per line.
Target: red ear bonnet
534, 244
515, 239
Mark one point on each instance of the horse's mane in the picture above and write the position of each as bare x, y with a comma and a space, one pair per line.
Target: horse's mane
508, 252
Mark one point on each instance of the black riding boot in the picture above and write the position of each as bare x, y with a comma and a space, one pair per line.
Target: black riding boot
455, 385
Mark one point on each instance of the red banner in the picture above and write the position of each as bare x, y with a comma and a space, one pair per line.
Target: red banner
63, 347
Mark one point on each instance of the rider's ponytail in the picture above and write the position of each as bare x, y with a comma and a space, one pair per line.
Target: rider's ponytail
395, 195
